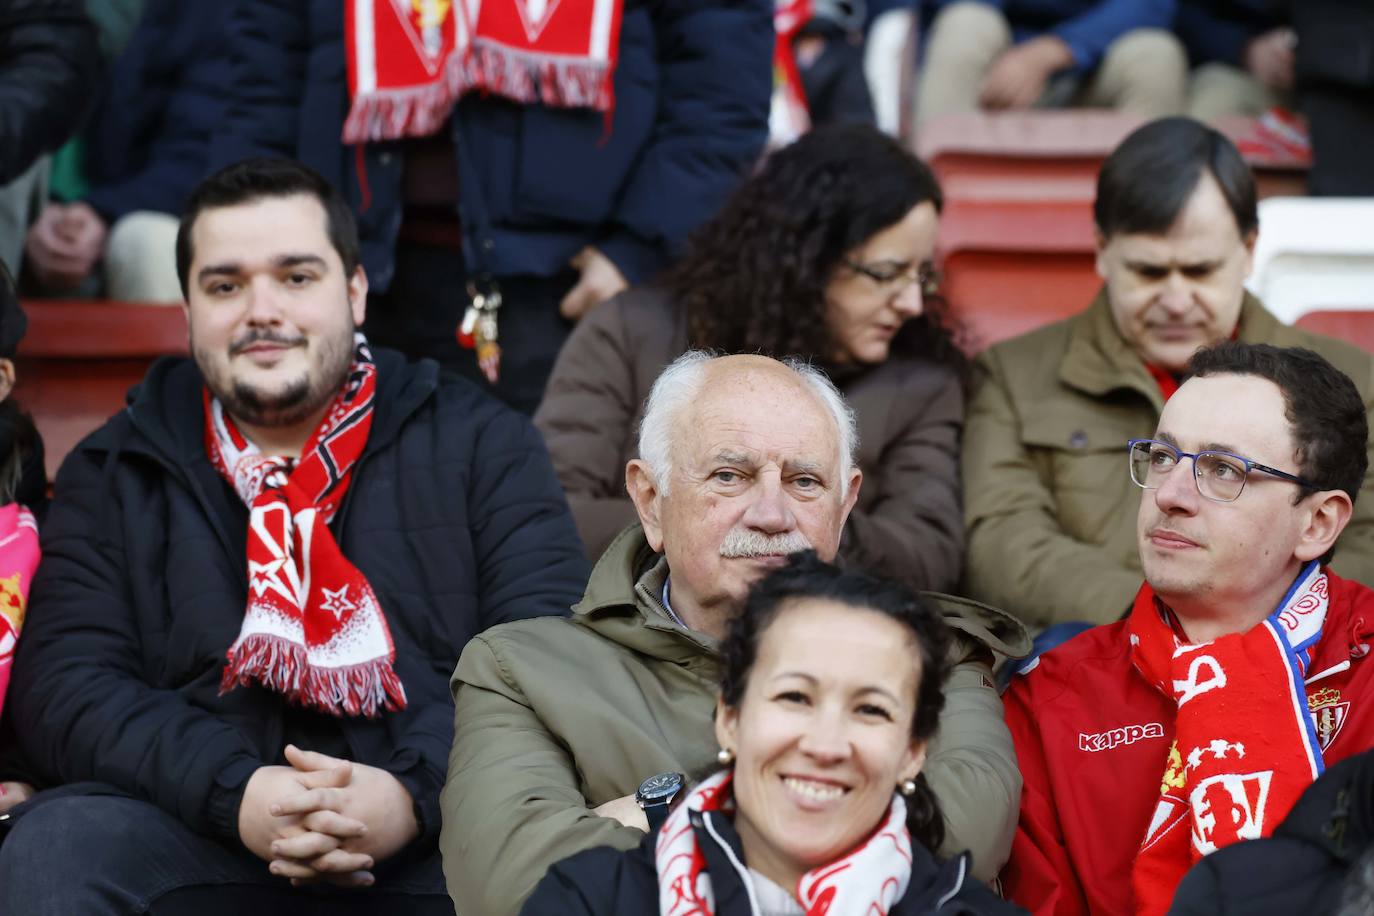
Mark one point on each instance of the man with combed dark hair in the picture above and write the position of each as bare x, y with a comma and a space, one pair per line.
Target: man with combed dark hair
1241, 670
256, 582
1048, 536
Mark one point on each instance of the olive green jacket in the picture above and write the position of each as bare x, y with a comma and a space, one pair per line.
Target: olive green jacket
557, 716
1048, 500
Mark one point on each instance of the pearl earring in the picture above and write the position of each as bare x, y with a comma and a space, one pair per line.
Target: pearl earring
725, 756
907, 787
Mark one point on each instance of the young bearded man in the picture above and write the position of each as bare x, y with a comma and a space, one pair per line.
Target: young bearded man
1241, 669
258, 579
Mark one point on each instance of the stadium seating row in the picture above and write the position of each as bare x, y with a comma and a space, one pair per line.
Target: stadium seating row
1016, 252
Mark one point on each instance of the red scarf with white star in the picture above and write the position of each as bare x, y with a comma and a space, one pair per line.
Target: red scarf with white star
410, 60
1245, 745
314, 630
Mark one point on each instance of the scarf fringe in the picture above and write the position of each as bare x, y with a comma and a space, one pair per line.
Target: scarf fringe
417, 111
527, 77
283, 666
522, 76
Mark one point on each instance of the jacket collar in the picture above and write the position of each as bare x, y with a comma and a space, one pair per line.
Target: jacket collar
166, 407
166, 421
933, 883
624, 603
1098, 359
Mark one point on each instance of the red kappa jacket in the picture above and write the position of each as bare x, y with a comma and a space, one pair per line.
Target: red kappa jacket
1093, 738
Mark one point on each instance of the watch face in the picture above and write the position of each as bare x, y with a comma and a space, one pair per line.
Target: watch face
660, 787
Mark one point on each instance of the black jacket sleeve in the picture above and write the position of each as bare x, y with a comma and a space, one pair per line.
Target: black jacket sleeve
49, 66
84, 703
528, 553
529, 563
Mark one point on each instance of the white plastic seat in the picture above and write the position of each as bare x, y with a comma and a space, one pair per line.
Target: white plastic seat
1314, 253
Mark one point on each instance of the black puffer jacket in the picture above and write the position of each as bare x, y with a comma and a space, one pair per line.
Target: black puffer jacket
49, 66
453, 514
1305, 866
608, 882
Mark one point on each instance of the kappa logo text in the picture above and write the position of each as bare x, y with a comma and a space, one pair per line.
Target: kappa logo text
1115, 737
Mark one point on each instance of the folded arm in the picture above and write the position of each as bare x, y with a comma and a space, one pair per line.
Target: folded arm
512, 804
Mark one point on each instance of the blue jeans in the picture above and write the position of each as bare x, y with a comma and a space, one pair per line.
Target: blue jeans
103, 854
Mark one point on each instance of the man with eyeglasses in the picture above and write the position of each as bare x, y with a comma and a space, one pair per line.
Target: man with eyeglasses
1241, 670
1045, 504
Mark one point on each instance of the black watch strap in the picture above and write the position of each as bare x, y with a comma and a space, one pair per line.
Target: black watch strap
657, 815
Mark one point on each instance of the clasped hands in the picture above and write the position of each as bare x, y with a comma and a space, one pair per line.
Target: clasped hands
324, 818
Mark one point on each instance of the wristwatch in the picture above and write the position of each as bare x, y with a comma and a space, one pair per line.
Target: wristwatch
656, 794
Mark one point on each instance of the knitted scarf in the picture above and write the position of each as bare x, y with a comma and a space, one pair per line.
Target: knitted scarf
789, 116
314, 630
1245, 745
410, 60
869, 879
18, 559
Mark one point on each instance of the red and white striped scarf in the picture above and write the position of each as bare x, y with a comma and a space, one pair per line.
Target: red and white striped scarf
868, 879
1245, 745
410, 60
314, 630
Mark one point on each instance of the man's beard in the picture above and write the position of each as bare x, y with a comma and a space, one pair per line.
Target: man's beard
298, 399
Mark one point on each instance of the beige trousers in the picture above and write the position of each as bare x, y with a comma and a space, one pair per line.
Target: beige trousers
1220, 90
20, 200
1143, 71
140, 259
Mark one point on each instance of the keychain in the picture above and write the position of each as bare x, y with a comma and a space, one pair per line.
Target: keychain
478, 331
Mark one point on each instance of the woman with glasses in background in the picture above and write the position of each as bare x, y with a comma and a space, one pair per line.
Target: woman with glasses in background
823, 254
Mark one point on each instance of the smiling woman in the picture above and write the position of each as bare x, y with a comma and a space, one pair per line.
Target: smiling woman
830, 693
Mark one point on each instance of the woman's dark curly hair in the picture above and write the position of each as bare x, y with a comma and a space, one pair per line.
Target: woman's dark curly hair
753, 278
807, 577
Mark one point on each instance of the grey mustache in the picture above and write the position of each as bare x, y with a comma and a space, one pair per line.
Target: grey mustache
744, 543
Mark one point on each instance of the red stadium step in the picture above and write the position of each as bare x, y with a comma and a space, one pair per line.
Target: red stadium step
79, 359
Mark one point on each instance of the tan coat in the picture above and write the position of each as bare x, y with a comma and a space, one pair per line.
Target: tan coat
907, 523
1048, 499
557, 716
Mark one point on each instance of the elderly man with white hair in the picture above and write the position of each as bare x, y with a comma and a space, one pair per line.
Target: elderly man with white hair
578, 732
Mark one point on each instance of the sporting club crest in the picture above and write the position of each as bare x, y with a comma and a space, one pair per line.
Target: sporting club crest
1328, 713
423, 22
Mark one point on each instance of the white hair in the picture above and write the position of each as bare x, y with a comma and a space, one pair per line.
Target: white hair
680, 384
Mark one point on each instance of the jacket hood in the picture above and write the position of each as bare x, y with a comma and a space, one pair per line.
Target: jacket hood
984, 624
1336, 813
623, 604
